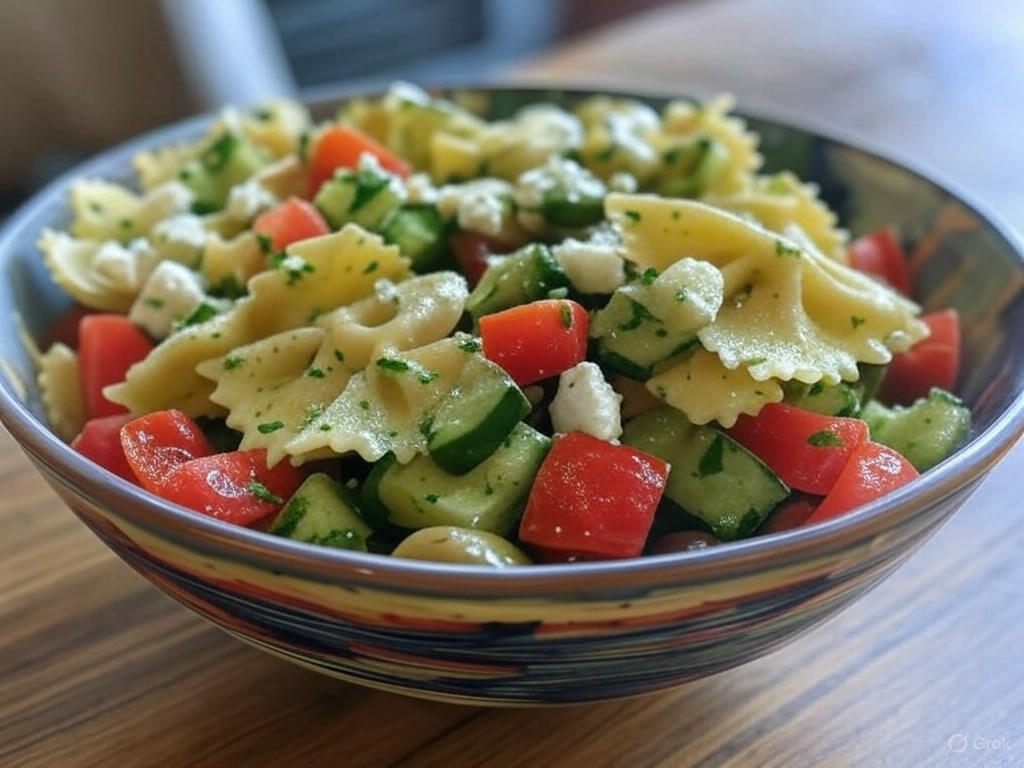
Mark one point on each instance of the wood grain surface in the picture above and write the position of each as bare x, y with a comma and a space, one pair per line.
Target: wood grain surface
97, 668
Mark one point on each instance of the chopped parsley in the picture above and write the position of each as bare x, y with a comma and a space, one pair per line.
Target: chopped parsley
266, 243
633, 216
856, 321
825, 438
313, 413
371, 267
315, 373
95, 207
470, 345
291, 517
364, 404
640, 315
200, 314
325, 427
681, 295
648, 276
391, 365
432, 498
566, 313
270, 426
261, 492
425, 376
711, 461
783, 248
816, 388
155, 303
339, 356
233, 361
125, 224
229, 288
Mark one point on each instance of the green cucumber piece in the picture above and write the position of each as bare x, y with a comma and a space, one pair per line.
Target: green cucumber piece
690, 168
365, 197
421, 494
924, 433
369, 494
840, 399
421, 234
228, 160
475, 417
322, 512
571, 211
527, 275
712, 477
634, 342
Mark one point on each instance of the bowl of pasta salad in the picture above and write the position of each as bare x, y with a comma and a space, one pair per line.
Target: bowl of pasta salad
509, 395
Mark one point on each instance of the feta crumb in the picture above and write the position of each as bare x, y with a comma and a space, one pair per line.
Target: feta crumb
385, 291
592, 266
480, 206
172, 292
125, 266
181, 238
247, 200
585, 402
621, 181
420, 189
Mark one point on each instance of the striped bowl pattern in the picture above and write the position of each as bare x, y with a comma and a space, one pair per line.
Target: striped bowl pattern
555, 634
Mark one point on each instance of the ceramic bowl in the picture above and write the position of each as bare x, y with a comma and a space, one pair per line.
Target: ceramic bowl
557, 633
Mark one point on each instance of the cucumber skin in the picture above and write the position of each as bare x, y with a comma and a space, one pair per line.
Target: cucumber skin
924, 433
710, 493
424, 256
559, 211
465, 453
527, 275
318, 510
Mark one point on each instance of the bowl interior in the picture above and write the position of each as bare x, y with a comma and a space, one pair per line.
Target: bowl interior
960, 256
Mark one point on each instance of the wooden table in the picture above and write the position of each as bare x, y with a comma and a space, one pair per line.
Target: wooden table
97, 668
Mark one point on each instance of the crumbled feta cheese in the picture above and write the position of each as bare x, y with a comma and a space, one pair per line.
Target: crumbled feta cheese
592, 266
621, 181
247, 200
568, 176
585, 402
174, 197
125, 266
172, 292
420, 189
385, 291
181, 238
481, 206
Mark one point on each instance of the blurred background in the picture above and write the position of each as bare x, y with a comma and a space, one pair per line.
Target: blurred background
939, 80
79, 76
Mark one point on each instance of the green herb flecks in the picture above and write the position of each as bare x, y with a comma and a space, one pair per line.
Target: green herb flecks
856, 322
392, 365
565, 311
825, 438
261, 492
270, 426
231, 362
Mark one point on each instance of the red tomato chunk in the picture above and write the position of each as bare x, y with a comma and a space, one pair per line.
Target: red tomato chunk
108, 345
593, 499
234, 487
158, 443
880, 255
100, 442
806, 450
873, 471
291, 221
536, 341
341, 147
932, 362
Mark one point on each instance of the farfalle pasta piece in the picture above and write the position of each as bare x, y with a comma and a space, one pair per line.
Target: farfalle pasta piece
276, 387
318, 275
105, 276
102, 210
714, 121
231, 263
276, 127
383, 407
781, 201
790, 311
705, 390
61, 391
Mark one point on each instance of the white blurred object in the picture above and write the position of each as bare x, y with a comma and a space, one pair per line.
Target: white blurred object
229, 51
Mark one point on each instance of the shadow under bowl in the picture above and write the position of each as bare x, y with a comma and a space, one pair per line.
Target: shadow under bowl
568, 633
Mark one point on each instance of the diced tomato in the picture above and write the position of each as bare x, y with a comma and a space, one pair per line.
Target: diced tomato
65, 329
593, 498
340, 146
536, 341
880, 255
873, 471
291, 221
158, 443
790, 514
100, 442
806, 450
932, 362
234, 487
472, 251
108, 345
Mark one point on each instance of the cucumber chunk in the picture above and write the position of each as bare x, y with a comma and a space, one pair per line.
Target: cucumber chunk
365, 197
691, 167
712, 477
527, 275
229, 160
926, 432
322, 512
490, 498
475, 417
571, 212
420, 234
840, 399
654, 320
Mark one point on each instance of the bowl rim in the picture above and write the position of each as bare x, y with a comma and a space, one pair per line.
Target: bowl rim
203, 534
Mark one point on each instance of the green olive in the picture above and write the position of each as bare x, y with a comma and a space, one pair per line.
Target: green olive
449, 544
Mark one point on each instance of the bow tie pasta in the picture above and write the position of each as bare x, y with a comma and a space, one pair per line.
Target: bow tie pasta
316, 276
278, 386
